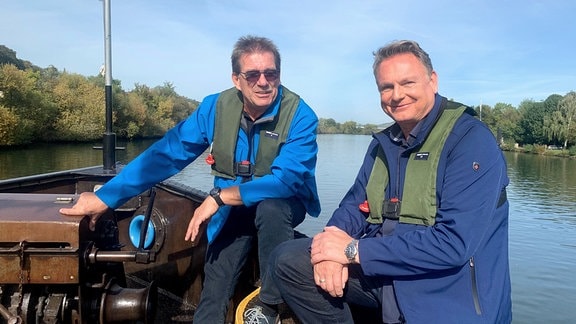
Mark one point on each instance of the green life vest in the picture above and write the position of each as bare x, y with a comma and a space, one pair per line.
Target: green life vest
273, 132
418, 204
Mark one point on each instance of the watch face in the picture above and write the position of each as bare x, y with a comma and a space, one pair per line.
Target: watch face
350, 250
215, 193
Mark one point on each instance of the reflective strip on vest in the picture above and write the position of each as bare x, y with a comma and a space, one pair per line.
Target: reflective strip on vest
273, 132
418, 204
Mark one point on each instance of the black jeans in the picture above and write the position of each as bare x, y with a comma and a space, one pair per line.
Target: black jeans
271, 222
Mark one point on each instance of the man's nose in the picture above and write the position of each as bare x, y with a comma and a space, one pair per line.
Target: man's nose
397, 93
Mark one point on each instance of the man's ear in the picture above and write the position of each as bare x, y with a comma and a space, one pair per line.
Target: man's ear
236, 80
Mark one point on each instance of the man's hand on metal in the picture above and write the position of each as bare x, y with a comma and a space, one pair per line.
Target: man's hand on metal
88, 204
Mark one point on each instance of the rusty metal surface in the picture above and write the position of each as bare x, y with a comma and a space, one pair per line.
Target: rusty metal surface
35, 218
37, 243
39, 269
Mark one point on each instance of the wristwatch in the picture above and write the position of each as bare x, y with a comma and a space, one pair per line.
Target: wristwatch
215, 193
351, 251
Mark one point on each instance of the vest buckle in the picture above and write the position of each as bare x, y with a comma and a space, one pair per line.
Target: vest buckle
391, 208
243, 169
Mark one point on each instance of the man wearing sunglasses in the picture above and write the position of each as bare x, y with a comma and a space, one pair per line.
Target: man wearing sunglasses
262, 140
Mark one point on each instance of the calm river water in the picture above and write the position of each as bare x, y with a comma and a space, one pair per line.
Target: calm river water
542, 198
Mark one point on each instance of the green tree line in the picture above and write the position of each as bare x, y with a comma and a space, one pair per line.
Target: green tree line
330, 126
48, 105
533, 126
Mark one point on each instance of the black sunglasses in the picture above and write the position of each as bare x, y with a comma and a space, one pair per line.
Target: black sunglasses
254, 76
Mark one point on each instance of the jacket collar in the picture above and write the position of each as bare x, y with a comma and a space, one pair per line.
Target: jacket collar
420, 131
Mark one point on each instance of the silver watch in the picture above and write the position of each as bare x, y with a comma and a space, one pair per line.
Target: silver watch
351, 251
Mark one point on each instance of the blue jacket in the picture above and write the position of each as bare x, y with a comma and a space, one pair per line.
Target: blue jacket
457, 270
292, 172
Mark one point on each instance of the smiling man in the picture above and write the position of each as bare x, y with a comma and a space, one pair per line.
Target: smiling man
263, 158
422, 234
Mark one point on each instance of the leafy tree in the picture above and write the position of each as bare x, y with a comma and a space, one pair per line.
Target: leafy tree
20, 95
131, 115
561, 124
153, 124
167, 90
162, 115
349, 127
81, 107
175, 106
327, 126
531, 122
48, 79
183, 107
9, 135
485, 114
369, 129
506, 119
551, 103
14, 86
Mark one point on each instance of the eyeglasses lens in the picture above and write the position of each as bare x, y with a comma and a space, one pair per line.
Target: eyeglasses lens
254, 76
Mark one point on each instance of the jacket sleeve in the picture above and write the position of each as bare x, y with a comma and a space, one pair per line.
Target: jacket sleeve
179, 147
472, 175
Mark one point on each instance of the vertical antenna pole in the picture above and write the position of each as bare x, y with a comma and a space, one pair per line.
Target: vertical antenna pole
109, 139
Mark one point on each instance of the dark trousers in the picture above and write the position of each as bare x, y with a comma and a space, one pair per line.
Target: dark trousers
290, 268
271, 222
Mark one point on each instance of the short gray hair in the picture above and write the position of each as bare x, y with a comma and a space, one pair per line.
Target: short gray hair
402, 47
253, 44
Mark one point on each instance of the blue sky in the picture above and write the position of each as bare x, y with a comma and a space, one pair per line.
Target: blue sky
484, 51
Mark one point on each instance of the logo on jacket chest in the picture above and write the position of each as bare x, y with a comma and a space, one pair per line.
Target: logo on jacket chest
420, 156
271, 135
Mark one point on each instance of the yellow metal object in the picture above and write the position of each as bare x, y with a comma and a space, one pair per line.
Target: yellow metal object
242, 306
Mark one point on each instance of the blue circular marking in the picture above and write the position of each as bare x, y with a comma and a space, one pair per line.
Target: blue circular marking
134, 232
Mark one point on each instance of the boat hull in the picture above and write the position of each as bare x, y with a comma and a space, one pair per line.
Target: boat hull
48, 256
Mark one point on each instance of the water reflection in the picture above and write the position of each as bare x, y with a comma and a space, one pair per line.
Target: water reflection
43, 158
545, 184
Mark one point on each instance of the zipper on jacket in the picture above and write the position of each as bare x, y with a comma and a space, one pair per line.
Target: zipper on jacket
475, 296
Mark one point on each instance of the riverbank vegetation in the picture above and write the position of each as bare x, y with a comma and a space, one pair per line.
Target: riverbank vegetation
49, 105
